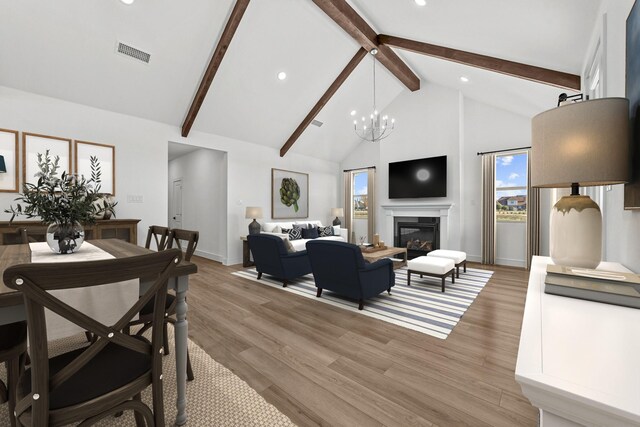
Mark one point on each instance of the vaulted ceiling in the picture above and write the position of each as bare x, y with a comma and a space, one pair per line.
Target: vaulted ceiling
67, 49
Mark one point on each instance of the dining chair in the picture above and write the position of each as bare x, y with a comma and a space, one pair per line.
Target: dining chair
106, 376
160, 235
186, 241
13, 350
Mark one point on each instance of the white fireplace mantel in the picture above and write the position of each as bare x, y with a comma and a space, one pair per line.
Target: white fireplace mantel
440, 210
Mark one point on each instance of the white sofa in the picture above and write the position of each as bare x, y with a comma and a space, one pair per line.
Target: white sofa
340, 234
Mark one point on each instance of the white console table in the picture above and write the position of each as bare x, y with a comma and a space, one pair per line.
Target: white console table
579, 361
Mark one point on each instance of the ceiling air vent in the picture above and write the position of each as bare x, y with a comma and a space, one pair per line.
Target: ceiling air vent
132, 52
317, 123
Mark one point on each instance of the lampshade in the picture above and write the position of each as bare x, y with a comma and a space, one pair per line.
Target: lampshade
3, 167
584, 142
337, 212
253, 212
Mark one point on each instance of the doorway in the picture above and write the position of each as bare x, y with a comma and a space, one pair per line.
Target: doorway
197, 196
175, 215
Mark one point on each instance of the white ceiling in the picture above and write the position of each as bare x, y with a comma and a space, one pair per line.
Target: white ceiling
66, 49
178, 150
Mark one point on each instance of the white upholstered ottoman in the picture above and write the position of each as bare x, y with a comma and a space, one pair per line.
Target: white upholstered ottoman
459, 258
431, 266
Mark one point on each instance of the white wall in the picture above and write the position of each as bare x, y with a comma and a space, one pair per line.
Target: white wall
427, 126
141, 148
487, 128
439, 121
249, 183
204, 198
142, 162
620, 227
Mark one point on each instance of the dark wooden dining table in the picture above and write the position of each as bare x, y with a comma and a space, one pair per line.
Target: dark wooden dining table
12, 304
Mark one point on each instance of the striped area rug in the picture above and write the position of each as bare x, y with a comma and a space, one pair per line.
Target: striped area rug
421, 306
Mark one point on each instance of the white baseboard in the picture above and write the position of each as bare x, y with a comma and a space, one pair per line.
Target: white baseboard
511, 262
474, 258
209, 255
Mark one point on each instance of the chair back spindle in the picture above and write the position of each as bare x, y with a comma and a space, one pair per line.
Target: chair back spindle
160, 235
185, 240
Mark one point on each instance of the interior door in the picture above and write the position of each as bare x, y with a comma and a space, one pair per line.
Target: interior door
175, 220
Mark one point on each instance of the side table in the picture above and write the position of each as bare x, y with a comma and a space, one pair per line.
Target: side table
246, 253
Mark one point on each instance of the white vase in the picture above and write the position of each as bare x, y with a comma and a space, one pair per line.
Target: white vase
576, 232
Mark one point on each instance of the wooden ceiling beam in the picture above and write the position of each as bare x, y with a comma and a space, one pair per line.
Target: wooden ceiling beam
220, 50
510, 68
360, 54
352, 23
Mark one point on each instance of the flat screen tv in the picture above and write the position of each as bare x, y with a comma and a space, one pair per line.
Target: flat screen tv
418, 178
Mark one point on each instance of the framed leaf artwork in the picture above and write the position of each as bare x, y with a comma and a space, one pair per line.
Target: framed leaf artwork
106, 155
34, 144
289, 194
9, 161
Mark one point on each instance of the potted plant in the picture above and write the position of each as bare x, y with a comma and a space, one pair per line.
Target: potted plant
64, 203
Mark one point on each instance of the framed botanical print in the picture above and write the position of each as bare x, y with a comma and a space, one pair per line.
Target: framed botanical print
106, 155
632, 188
34, 144
289, 194
9, 161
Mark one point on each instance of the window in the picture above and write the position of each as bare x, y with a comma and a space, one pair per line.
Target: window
593, 75
360, 195
511, 187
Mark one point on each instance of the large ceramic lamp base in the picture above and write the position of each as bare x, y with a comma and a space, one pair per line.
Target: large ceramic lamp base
576, 232
254, 227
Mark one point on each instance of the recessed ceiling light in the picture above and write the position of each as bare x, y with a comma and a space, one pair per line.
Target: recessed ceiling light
421, 2
353, 112
464, 79
127, 1
282, 75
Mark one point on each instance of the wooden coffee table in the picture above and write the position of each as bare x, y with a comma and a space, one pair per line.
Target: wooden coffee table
388, 253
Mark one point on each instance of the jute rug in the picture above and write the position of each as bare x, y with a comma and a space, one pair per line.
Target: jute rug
421, 307
216, 397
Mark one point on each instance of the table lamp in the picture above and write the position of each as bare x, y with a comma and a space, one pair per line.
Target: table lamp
337, 212
253, 212
579, 144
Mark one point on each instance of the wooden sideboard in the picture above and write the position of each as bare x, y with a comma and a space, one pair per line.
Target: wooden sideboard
123, 229
578, 360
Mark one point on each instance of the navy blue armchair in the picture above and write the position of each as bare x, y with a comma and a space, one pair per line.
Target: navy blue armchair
271, 257
341, 268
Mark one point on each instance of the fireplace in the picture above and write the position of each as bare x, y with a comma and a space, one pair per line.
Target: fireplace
412, 212
420, 235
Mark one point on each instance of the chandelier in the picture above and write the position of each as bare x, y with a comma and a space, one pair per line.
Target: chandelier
378, 126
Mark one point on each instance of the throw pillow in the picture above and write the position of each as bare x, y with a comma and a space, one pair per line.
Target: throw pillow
309, 233
289, 246
303, 225
294, 233
325, 231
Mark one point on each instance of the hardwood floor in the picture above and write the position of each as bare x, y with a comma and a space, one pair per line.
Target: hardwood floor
321, 365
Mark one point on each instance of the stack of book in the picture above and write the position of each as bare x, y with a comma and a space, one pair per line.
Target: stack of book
610, 287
